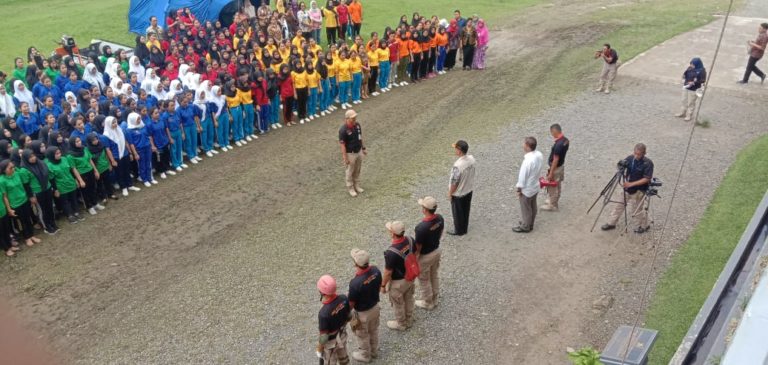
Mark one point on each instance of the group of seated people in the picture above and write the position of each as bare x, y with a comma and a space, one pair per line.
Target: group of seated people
77, 136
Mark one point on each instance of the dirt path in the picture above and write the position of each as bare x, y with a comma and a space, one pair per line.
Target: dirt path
218, 265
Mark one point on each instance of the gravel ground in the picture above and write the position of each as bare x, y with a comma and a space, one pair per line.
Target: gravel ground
228, 276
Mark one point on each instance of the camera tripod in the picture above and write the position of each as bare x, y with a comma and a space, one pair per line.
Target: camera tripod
643, 206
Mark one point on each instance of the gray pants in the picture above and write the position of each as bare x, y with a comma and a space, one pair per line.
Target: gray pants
528, 211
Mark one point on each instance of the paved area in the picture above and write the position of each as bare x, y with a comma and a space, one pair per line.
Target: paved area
666, 62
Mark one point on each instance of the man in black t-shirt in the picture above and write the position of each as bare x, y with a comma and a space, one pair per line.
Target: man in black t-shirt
556, 170
428, 234
332, 322
610, 66
364, 300
400, 290
637, 176
352, 151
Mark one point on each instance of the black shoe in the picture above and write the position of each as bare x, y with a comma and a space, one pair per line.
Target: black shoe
79, 217
454, 233
52, 231
520, 229
762, 79
72, 220
741, 82
608, 227
641, 230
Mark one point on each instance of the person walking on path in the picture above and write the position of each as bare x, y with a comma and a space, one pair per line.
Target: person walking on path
556, 170
352, 151
694, 78
610, 66
528, 185
460, 188
428, 234
364, 300
756, 52
400, 290
332, 323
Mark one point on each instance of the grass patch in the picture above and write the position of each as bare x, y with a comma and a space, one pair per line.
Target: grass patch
697, 265
43, 21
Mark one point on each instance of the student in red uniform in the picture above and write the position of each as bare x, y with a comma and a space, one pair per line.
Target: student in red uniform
287, 95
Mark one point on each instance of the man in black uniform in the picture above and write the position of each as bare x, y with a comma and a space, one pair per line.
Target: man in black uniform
332, 320
364, 299
428, 234
400, 290
352, 151
556, 170
637, 175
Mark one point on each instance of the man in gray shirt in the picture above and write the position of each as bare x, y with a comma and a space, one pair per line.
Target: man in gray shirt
460, 188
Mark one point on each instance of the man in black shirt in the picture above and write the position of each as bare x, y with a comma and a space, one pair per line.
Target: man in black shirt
556, 170
352, 151
610, 66
428, 234
364, 299
400, 290
637, 176
332, 320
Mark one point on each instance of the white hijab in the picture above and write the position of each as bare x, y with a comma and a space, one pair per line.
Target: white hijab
24, 95
115, 134
183, 70
217, 99
117, 86
110, 68
148, 77
72, 103
175, 85
159, 95
134, 121
138, 69
128, 91
7, 106
200, 101
94, 77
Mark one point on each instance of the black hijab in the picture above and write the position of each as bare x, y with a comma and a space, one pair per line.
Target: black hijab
16, 156
53, 141
50, 155
73, 149
64, 127
157, 58
141, 51
3, 166
98, 124
36, 147
39, 169
4, 146
15, 132
20, 140
95, 149
43, 134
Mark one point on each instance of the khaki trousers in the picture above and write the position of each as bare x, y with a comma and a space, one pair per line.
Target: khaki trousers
429, 283
353, 169
688, 103
554, 191
633, 201
335, 351
367, 332
401, 298
608, 75
528, 210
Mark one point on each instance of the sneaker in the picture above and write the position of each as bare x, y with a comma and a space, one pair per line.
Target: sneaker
274, 126
155, 182
599, 89
311, 117
608, 227
255, 136
423, 304
607, 91
238, 144
226, 148
279, 125
395, 325
100, 207
163, 176
344, 106
171, 172
125, 192
301, 121
244, 142
209, 154
548, 208
193, 161
641, 230
147, 184
52, 232
178, 168
375, 93
184, 166
92, 211
133, 188
72, 219
358, 356
352, 192
359, 190
79, 217
295, 113
316, 115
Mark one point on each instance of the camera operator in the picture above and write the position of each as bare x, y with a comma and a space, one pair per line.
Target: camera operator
610, 66
638, 172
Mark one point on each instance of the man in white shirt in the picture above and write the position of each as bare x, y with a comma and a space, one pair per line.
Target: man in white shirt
528, 185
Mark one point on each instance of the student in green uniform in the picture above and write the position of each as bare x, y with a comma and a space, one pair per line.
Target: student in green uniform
80, 158
5, 226
65, 180
102, 157
17, 199
39, 182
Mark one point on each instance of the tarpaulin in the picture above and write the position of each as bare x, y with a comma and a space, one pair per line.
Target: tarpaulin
140, 11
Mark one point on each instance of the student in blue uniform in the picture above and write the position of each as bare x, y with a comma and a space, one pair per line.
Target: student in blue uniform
159, 138
221, 118
189, 116
173, 123
206, 106
141, 148
28, 121
121, 154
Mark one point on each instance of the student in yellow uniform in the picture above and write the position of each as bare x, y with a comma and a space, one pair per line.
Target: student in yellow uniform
383, 54
333, 81
331, 22
300, 90
313, 82
344, 76
314, 48
373, 63
357, 76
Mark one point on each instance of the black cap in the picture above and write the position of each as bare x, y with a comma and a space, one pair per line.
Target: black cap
461, 145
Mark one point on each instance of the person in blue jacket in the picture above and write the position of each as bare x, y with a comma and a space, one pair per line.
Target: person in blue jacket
50, 107
159, 138
29, 122
173, 123
138, 140
46, 88
189, 115
74, 85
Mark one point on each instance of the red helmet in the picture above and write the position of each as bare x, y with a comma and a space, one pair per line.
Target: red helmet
326, 285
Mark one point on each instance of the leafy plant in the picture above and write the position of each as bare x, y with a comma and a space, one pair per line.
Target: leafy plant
585, 356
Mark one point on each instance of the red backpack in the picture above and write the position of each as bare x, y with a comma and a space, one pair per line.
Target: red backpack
412, 269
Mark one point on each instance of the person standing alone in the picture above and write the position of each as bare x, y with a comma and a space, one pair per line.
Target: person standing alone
428, 234
694, 78
460, 188
352, 151
610, 66
528, 185
556, 170
756, 52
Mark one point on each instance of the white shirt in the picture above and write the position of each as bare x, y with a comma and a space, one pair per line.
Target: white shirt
530, 170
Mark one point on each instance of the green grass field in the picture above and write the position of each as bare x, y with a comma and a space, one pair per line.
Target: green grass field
697, 265
43, 21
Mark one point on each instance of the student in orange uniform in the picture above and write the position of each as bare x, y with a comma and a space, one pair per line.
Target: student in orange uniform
424, 42
415, 48
300, 90
442, 49
432, 53
356, 13
405, 58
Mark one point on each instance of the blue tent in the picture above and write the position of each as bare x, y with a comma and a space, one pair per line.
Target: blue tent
140, 11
